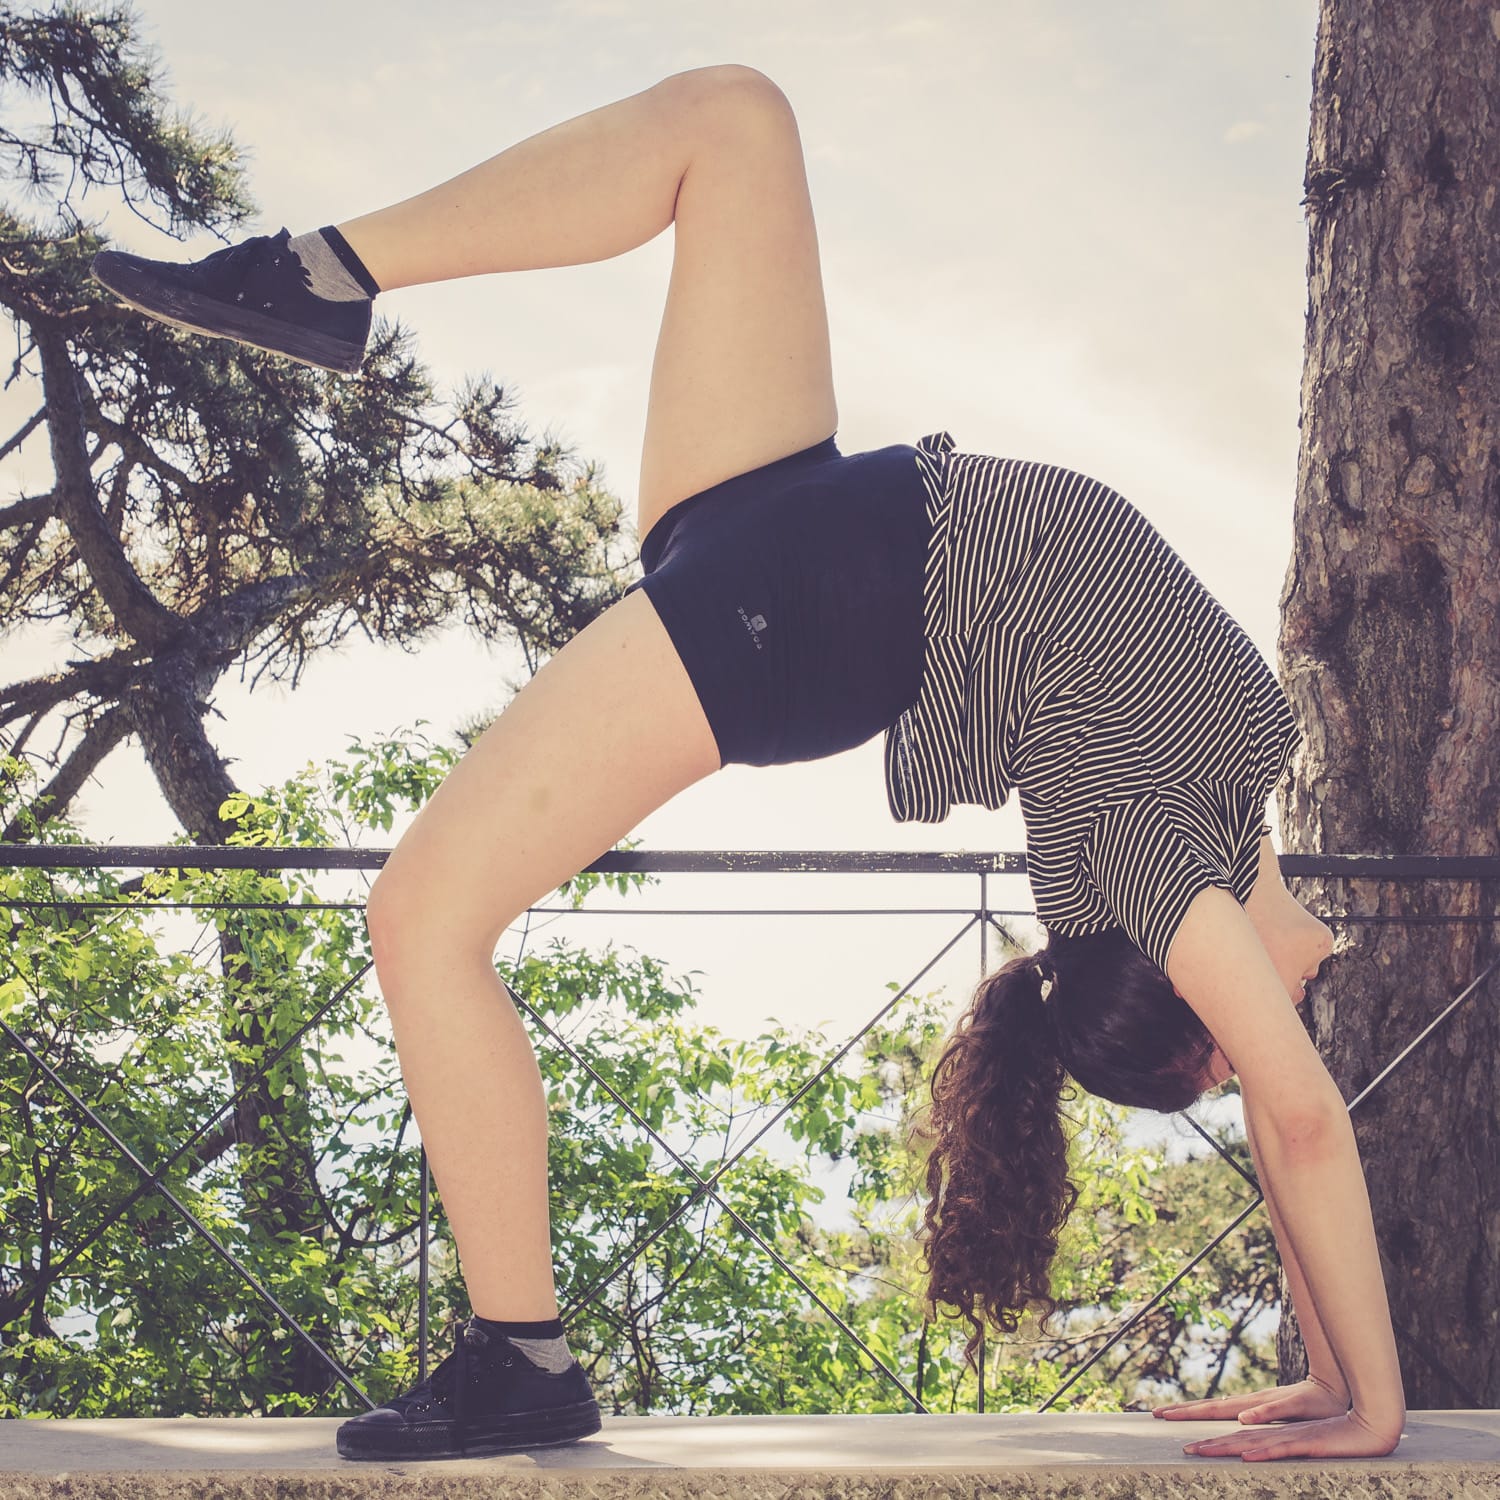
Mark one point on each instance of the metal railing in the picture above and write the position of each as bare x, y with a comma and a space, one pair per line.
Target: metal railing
982, 918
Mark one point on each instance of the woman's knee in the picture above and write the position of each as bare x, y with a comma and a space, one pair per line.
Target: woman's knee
386, 919
408, 921
732, 93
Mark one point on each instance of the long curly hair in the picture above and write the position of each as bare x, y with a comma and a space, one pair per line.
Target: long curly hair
997, 1172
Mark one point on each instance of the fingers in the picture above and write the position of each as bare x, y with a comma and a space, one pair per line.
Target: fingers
1281, 1442
1229, 1442
1258, 1446
1286, 1404
1250, 1446
1273, 1411
1221, 1410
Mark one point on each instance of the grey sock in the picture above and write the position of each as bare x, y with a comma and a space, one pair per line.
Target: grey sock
331, 279
550, 1354
538, 1343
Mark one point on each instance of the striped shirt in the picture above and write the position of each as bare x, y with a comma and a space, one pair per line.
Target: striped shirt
1073, 656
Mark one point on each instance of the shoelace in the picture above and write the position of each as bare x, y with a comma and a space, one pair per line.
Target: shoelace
237, 257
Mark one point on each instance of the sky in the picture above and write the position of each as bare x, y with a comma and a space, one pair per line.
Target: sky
1069, 232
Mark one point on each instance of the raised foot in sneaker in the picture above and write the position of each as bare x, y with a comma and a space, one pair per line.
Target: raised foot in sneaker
485, 1397
257, 292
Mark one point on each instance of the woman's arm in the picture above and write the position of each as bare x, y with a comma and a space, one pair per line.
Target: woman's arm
1321, 1361
1321, 1395
1306, 1152
1329, 1233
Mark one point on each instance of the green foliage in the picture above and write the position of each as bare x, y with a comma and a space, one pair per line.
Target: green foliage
149, 1320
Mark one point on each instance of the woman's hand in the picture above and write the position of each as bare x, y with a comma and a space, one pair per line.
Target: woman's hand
1348, 1436
1309, 1400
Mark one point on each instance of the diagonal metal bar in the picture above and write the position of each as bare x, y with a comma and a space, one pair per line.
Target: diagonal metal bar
848, 1046
1140, 1313
185, 1213
1422, 1036
151, 1180
1368, 866
638, 1248
208, 1124
1218, 1147
704, 1186
708, 1185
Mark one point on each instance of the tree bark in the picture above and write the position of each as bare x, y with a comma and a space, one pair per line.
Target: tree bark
1390, 643
135, 609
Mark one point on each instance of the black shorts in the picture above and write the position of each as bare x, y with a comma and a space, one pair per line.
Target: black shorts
793, 594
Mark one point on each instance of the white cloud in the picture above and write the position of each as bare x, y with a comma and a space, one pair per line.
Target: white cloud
1243, 130
915, 26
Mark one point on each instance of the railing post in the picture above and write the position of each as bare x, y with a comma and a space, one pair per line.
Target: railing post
422, 1276
984, 949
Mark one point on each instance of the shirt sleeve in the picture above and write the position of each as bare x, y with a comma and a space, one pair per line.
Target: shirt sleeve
1150, 856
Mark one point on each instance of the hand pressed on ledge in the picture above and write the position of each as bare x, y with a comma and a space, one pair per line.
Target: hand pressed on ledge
1308, 1401
1348, 1436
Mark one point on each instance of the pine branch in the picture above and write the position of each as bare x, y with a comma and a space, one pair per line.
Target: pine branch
107, 678
18, 437
99, 739
25, 511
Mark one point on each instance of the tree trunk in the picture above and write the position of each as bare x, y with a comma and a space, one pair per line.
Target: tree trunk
1390, 643
278, 1163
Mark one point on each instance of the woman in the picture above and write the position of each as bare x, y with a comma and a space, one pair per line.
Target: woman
1007, 624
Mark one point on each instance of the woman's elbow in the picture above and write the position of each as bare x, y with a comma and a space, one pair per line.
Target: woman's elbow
1307, 1130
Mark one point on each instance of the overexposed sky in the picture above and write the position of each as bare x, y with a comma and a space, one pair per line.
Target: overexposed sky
1061, 231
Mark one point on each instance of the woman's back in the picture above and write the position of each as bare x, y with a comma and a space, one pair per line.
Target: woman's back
1073, 656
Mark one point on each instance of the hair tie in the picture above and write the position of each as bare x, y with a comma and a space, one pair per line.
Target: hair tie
1047, 977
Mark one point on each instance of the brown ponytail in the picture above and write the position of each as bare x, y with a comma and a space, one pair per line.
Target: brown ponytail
997, 1174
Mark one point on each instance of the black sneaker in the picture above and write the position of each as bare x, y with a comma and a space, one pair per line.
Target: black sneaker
485, 1397
257, 292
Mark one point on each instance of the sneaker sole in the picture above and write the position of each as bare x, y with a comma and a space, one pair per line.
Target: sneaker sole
505, 1434
219, 320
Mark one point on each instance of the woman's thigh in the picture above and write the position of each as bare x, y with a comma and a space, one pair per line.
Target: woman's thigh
743, 373
607, 731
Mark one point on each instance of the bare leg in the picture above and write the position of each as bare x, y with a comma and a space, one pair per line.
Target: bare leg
610, 728
584, 190
743, 373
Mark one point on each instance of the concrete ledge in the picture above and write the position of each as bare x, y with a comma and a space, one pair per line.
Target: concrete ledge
1444, 1455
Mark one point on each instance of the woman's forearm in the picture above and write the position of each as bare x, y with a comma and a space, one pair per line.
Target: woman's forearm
1321, 1360
1324, 1206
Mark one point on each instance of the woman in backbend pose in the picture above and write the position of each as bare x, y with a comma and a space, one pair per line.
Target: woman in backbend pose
1008, 624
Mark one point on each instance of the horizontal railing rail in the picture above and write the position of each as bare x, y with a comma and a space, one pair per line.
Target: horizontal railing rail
1401, 867
981, 864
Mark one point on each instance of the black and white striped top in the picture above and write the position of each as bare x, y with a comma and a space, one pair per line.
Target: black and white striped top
1073, 656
